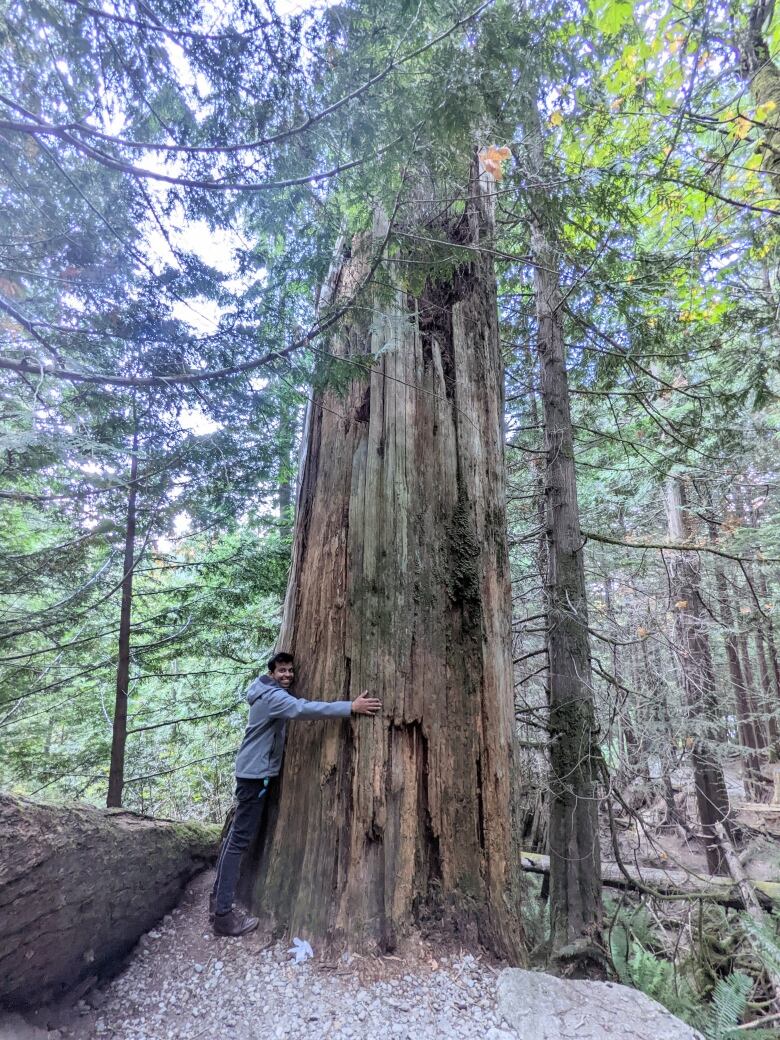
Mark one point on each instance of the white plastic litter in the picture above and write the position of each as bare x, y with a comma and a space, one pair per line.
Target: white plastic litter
301, 950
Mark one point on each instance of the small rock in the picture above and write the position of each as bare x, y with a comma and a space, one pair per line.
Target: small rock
198, 968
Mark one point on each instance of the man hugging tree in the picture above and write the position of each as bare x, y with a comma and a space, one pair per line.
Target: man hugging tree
258, 763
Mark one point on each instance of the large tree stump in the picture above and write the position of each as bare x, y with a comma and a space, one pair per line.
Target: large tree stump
400, 585
79, 885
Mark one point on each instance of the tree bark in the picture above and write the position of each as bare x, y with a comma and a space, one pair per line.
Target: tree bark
575, 889
698, 679
116, 775
400, 584
78, 886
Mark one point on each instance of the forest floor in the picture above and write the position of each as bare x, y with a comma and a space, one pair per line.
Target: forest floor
650, 844
183, 983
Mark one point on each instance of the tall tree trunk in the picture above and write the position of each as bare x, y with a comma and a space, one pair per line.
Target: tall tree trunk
771, 647
750, 690
575, 860
116, 775
693, 652
751, 764
400, 584
662, 725
767, 706
628, 742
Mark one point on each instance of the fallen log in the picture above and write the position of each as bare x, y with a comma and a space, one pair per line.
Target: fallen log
678, 883
747, 888
79, 886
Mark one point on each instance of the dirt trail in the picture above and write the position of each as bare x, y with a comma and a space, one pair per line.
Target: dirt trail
182, 983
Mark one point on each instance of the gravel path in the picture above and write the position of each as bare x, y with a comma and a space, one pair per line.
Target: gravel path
182, 983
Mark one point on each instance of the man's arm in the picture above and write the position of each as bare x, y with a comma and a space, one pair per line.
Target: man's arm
282, 705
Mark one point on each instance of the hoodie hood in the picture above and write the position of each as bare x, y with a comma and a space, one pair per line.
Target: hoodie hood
259, 686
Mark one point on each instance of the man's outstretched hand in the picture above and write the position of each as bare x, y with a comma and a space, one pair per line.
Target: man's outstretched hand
365, 705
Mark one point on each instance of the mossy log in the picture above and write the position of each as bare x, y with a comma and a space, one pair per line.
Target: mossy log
79, 885
675, 883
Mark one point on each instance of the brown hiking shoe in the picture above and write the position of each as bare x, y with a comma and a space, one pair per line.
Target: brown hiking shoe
234, 923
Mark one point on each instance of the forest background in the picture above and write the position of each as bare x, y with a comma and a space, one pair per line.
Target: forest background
176, 181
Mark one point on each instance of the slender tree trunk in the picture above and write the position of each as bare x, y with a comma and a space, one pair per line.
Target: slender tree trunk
400, 584
693, 652
575, 860
751, 699
673, 817
771, 647
628, 743
116, 775
767, 707
751, 765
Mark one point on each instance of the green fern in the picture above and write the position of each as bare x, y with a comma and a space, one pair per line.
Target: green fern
620, 950
729, 1000
765, 939
658, 978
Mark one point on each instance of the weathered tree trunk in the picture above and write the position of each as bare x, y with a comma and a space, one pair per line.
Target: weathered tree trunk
693, 652
78, 886
400, 585
575, 860
116, 775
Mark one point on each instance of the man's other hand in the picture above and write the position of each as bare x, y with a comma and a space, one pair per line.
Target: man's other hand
365, 705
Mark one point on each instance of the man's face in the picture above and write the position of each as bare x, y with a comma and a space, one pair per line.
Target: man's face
284, 673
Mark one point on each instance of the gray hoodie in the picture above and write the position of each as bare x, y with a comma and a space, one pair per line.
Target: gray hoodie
270, 706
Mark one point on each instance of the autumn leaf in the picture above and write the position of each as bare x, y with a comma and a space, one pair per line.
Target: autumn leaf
491, 159
764, 110
681, 604
556, 118
742, 128
641, 632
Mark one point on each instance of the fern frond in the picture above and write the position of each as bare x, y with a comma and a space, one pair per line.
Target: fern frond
765, 940
729, 1000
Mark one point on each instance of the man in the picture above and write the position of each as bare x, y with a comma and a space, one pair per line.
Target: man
258, 762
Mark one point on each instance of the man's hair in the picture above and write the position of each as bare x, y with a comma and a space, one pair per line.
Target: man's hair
281, 658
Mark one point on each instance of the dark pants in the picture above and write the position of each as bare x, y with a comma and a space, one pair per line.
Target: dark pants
251, 796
